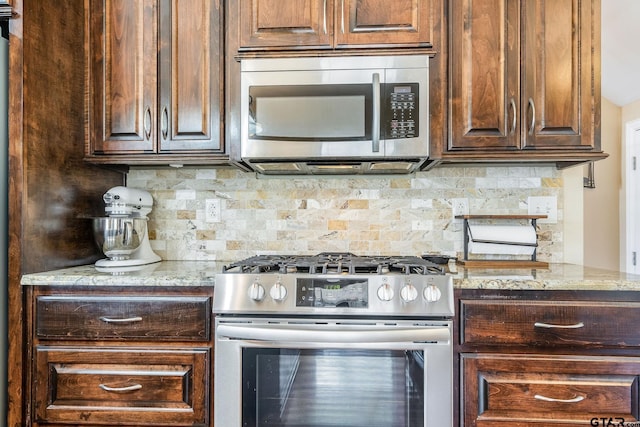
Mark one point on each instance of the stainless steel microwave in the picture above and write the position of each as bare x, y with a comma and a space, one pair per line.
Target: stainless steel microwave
335, 115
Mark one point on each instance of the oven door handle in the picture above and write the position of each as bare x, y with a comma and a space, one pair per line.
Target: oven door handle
310, 335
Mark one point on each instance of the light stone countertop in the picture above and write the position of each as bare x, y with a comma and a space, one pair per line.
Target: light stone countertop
164, 273
202, 273
556, 277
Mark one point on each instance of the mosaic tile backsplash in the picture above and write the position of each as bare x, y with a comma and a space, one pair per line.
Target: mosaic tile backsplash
395, 215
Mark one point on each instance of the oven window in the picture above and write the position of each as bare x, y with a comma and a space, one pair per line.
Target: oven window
313, 112
334, 387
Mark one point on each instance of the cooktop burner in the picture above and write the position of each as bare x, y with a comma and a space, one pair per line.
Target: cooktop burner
332, 263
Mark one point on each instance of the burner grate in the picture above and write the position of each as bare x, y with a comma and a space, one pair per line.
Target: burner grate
335, 263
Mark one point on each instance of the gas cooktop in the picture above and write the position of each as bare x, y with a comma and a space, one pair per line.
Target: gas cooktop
334, 263
334, 284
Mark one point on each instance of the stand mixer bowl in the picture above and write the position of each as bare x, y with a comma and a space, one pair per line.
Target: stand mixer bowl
119, 237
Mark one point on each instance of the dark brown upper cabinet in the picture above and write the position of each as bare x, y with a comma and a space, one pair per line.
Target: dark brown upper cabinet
155, 82
524, 81
329, 24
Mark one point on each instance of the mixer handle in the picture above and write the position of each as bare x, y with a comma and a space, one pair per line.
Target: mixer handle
127, 236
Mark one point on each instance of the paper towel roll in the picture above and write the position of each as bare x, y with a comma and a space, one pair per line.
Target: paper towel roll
502, 239
498, 249
516, 234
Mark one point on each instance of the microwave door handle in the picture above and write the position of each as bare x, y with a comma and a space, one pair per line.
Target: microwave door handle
375, 125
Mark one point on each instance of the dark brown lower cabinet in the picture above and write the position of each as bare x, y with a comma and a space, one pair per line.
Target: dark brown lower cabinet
117, 386
536, 390
121, 356
547, 358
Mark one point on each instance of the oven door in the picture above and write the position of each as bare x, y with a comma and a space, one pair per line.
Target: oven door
322, 373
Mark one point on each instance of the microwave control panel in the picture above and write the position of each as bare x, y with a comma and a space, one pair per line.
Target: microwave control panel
401, 115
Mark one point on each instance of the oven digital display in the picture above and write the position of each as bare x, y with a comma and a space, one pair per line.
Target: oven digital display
332, 292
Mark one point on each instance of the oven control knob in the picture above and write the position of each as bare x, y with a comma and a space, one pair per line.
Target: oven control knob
256, 291
278, 292
408, 293
431, 293
385, 292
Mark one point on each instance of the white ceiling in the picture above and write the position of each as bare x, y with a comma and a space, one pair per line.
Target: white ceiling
621, 51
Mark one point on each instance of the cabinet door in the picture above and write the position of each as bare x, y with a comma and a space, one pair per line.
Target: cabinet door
485, 70
287, 24
558, 84
383, 22
536, 391
123, 70
190, 78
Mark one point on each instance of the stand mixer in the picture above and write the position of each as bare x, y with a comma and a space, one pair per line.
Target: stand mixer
122, 235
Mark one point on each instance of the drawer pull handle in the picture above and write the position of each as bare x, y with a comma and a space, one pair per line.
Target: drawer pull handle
551, 399
552, 326
122, 320
126, 389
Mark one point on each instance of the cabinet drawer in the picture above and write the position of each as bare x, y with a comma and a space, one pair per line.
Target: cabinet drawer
123, 317
121, 386
546, 323
513, 389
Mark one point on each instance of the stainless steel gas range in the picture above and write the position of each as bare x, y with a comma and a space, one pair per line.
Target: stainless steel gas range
333, 340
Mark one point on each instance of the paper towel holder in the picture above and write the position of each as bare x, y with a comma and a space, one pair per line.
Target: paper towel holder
496, 263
